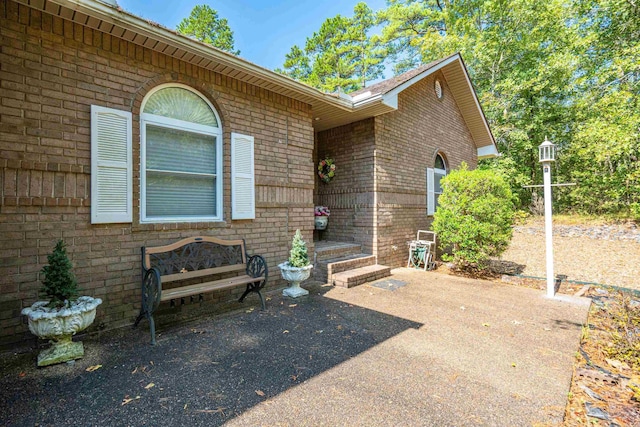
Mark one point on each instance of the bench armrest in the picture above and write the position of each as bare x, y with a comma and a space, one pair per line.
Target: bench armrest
151, 290
257, 267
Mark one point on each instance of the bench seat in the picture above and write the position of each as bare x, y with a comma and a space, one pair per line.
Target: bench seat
197, 258
201, 288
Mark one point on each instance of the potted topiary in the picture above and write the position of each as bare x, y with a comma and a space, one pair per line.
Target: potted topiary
64, 314
297, 269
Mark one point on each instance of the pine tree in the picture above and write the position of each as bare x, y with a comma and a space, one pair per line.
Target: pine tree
59, 283
205, 25
341, 56
298, 257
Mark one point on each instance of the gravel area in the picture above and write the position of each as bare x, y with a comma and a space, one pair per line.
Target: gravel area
608, 254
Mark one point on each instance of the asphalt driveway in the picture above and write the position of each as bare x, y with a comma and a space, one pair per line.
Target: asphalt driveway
420, 349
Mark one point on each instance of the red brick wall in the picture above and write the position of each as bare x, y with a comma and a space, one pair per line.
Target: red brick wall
51, 72
407, 141
349, 195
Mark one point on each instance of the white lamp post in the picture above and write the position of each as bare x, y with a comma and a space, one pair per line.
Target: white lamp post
547, 156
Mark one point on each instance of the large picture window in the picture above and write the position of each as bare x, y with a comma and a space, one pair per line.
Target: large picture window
181, 157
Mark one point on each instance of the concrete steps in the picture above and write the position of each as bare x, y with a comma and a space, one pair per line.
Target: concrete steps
343, 264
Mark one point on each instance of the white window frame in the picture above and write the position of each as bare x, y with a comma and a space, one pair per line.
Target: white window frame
169, 123
431, 184
442, 173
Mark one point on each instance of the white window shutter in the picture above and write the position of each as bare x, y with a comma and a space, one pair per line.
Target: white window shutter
243, 195
431, 198
111, 166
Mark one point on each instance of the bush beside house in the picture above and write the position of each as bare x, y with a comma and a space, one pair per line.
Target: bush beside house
474, 216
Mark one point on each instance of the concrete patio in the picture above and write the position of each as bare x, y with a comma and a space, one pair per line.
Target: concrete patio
417, 349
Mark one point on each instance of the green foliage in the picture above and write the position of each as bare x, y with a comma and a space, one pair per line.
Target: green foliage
58, 282
341, 55
474, 216
568, 70
298, 257
205, 25
603, 157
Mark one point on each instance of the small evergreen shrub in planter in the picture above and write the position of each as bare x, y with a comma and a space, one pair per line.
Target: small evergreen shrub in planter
64, 314
297, 268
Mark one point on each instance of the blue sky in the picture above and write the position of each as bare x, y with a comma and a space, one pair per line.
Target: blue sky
264, 31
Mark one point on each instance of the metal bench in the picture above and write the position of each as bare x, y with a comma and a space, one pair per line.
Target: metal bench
190, 260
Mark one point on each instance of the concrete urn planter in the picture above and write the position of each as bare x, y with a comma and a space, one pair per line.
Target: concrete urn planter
294, 275
321, 222
59, 325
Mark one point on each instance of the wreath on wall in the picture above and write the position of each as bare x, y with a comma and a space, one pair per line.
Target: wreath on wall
326, 169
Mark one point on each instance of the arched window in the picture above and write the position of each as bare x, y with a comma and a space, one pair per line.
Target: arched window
180, 157
439, 172
434, 189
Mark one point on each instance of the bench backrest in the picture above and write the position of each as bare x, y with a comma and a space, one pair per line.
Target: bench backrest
195, 257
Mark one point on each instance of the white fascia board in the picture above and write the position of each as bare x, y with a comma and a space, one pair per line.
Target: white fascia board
117, 16
365, 102
425, 73
487, 151
475, 98
391, 100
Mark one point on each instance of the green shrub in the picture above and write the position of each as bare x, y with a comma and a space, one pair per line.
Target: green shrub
474, 216
298, 257
58, 282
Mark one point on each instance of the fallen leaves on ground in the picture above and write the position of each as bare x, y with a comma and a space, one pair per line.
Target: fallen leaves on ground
602, 386
260, 393
93, 368
149, 386
211, 411
128, 400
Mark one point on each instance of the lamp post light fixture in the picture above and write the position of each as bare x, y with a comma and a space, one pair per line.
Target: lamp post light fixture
547, 151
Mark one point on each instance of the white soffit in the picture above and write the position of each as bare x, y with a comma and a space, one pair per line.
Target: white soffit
329, 110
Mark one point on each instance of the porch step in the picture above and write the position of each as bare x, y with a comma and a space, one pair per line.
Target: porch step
358, 276
325, 250
324, 269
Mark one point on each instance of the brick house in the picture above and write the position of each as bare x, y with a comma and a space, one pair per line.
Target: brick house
117, 133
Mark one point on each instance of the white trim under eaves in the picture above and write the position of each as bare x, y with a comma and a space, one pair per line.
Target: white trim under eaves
475, 98
391, 98
128, 21
487, 151
366, 101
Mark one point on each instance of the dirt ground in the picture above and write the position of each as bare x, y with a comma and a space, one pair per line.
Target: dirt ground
600, 253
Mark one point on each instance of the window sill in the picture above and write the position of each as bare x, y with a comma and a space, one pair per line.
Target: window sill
174, 226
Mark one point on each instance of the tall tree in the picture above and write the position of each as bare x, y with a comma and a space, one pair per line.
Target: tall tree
341, 55
604, 157
205, 25
518, 56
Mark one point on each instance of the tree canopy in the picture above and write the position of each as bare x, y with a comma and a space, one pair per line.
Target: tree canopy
205, 25
341, 55
568, 70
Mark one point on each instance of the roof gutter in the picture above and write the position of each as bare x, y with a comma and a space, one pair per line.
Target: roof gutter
118, 16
